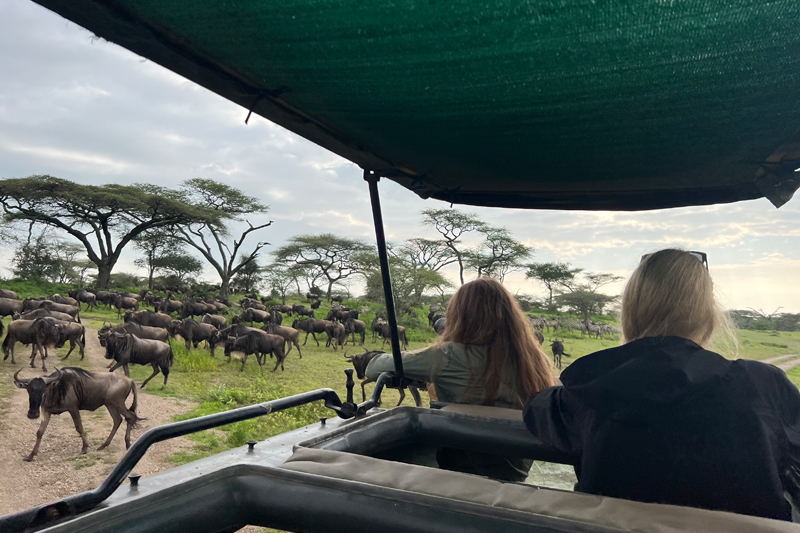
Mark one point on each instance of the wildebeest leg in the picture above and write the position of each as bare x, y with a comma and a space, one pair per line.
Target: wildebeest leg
39, 434
117, 418
298, 349
278, 361
82, 347
402, 397
71, 347
76, 418
165, 371
288, 343
305, 341
244, 360
363, 392
154, 374
114, 365
315, 338
363, 336
415, 394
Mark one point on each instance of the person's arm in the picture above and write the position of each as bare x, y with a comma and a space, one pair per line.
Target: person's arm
417, 364
553, 418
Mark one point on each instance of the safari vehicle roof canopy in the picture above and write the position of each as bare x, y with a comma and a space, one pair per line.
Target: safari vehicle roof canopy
563, 104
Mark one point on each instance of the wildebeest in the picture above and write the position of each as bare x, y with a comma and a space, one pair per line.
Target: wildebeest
311, 296
143, 332
52, 332
104, 297
30, 304
291, 335
282, 308
342, 315
255, 315
376, 327
57, 298
558, 351
439, 325
386, 333
39, 313
11, 295
315, 304
19, 331
192, 309
336, 334
83, 296
127, 303
539, 336
169, 306
360, 362
276, 318
302, 310
9, 306
72, 390
234, 330
217, 321
193, 332
247, 303
125, 349
312, 326
257, 342
353, 326
338, 298
146, 317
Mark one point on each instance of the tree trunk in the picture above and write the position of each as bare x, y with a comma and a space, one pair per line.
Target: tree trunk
103, 276
224, 287
150, 278
460, 269
330, 288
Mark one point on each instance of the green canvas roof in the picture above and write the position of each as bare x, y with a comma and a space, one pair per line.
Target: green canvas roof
562, 104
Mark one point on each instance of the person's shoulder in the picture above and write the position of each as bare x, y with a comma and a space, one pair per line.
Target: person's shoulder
759, 371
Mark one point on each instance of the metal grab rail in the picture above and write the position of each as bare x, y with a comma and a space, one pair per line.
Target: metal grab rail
85, 501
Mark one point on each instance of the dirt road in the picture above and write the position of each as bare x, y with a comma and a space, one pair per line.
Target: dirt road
59, 470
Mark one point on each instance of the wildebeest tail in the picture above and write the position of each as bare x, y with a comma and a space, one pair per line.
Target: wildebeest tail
134, 405
78, 316
83, 336
171, 355
1, 328
7, 343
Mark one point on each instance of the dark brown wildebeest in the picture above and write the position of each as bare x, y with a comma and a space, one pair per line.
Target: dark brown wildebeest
311, 296
338, 298
219, 322
276, 318
255, 315
83, 296
558, 351
146, 317
360, 362
103, 297
170, 306
282, 308
39, 313
259, 343
315, 304
342, 315
235, 330
72, 390
19, 331
302, 310
353, 326
29, 304
439, 325
192, 309
57, 298
248, 303
125, 349
11, 295
312, 326
143, 332
376, 327
336, 334
386, 333
193, 332
127, 303
291, 335
539, 336
9, 306
52, 332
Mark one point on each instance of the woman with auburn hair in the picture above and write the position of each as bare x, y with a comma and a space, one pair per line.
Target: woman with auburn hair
662, 418
487, 355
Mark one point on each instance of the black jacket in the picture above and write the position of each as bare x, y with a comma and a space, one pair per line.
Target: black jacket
663, 420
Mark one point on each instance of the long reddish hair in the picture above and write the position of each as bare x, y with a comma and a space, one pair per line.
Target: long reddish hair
483, 313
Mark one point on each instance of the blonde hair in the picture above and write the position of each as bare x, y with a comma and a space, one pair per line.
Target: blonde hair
671, 293
483, 313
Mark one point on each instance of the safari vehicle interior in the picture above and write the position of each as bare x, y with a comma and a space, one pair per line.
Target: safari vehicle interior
574, 105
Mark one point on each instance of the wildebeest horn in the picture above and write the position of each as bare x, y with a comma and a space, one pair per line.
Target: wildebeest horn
49, 379
21, 381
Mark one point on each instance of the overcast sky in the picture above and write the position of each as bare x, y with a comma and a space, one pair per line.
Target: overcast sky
92, 112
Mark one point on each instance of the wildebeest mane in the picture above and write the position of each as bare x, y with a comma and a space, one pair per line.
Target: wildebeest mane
71, 378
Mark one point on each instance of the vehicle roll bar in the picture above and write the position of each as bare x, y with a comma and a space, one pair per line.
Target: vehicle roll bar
377, 218
85, 501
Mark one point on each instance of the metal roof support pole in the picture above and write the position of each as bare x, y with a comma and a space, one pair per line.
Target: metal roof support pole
380, 237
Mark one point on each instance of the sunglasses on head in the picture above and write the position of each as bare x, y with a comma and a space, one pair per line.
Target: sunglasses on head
700, 256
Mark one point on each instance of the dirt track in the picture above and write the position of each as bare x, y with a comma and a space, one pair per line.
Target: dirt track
59, 470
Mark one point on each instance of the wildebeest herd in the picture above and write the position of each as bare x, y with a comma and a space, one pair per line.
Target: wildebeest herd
144, 338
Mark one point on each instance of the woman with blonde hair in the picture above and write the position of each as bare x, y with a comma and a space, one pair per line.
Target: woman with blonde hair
487, 355
662, 418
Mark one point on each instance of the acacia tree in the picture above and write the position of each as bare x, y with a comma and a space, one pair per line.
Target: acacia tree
248, 278
104, 218
154, 245
553, 275
452, 225
336, 258
428, 253
498, 255
212, 238
280, 279
178, 265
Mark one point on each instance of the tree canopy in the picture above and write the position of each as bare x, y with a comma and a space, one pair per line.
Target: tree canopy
336, 258
498, 254
553, 275
103, 218
452, 224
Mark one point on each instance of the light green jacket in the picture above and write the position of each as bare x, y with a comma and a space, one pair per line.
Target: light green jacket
454, 370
